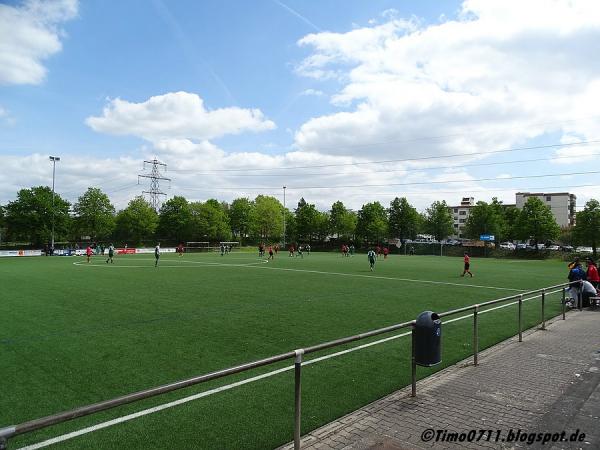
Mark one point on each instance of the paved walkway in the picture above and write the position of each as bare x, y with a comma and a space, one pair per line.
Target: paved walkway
548, 383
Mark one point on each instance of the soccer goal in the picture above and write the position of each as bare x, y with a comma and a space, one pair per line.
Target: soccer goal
230, 246
198, 247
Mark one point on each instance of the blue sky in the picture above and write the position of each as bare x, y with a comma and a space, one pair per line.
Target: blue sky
219, 85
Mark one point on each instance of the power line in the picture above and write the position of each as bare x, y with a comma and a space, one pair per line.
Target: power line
452, 135
470, 191
497, 163
387, 161
407, 184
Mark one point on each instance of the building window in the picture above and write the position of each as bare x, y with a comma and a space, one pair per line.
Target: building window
455, 210
462, 220
548, 198
455, 225
462, 213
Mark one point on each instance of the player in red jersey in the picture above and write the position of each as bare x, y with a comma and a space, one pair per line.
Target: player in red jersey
467, 265
386, 251
180, 250
270, 252
88, 253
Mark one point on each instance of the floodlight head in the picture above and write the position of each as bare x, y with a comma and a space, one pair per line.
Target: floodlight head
54, 158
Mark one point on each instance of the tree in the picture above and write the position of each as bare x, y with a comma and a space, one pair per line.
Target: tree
537, 222
403, 219
2, 223
486, 218
438, 220
342, 221
30, 216
267, 218
137, 222
210, 221
371, 226
290, 226
306, 220
587, 229
322, 226
240, 214
94, 214
511, 220
175, 220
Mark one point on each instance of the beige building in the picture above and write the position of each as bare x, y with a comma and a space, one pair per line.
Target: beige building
460, 214
562, 205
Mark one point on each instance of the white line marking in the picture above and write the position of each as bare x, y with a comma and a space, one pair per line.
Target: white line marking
181, 401
259, 265
151, 266
447, 283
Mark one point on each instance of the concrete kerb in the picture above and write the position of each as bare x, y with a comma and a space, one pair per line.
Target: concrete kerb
422, 385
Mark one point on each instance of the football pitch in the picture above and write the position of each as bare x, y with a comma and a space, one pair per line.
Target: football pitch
73, 333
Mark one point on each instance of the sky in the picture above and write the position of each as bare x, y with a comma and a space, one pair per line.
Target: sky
349, 100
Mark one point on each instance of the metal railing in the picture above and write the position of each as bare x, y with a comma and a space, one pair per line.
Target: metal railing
298, 355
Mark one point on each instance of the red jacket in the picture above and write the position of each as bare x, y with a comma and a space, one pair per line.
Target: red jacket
592, 273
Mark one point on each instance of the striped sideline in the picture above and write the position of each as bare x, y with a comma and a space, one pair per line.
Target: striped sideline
181, 401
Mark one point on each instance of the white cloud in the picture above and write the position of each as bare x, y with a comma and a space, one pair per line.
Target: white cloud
504, 72
74, 174
29, 34
575, 155
5, 117
312, 92
176, 115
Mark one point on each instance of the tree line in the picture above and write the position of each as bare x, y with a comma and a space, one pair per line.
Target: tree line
93, 217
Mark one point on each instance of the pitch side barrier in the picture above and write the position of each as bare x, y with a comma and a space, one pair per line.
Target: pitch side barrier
298, 355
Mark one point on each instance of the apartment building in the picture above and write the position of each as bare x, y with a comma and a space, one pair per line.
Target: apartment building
562, 205
460, 214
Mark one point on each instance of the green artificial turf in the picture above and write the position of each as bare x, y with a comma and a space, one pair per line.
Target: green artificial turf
73, 334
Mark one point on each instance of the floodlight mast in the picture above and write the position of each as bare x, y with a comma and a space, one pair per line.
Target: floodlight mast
54, 160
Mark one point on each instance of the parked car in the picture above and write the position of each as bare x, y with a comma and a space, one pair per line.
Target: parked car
567, 248
508, 246
521, 246
584, 250
553, 248
541, 246
451, 242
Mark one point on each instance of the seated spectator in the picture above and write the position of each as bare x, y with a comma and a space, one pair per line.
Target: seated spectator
587, 291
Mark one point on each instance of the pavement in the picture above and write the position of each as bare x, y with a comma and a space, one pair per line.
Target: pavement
519, 395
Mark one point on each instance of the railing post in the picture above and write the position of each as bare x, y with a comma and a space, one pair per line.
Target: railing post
475, 335
413, 370
543, 309
579, 296
5, 434
520, 317
564, 297
297, 397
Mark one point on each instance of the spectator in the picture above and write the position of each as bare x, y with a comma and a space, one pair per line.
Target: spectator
592, 273
587, 291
